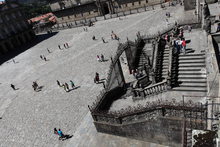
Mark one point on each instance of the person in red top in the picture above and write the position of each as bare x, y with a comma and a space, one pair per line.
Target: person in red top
184, 46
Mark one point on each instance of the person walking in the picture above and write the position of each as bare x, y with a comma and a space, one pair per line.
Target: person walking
64, 45
102, 58
55, 131
98, 58
67, 87
41, 57
13, 61
103, 40
189, 28
72, 84
35, 85
13, 87
93, 37
60, 133
48, 50
58, 83
45, 59
59, 47
64, 87
67, 45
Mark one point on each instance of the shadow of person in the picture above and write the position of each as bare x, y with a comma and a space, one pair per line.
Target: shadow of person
39, 88
65, 137
190, 50
105, 60
73, 88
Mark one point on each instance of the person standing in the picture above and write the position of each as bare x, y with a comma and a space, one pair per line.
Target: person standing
13, 87
184, 46
64, 45
96, 77
59, 47
72, 84
41, 57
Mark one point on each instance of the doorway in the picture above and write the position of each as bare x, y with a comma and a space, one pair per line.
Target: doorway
105, 8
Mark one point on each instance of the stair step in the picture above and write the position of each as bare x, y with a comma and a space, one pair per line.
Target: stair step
191, 58
187, 55
191, 62
192, 65
190, 69
191, 73
193, 85
194, 89
180, 77
192, 81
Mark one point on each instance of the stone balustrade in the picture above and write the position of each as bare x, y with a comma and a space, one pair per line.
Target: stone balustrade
153, 89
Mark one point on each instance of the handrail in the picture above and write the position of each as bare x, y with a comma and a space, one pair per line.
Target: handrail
170, 67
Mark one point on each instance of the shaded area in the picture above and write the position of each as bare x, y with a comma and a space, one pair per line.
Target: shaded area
11, 54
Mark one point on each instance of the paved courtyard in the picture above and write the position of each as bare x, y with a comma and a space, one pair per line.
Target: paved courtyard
28, 117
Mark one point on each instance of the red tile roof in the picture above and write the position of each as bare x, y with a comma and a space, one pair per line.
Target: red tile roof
49, 16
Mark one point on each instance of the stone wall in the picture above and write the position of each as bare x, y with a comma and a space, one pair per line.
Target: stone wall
161, 130
77, 13
126, 5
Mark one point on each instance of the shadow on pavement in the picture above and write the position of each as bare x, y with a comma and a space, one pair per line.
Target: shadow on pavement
19, 50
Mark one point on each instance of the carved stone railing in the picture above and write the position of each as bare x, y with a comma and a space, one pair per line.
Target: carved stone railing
150, 90
169, 67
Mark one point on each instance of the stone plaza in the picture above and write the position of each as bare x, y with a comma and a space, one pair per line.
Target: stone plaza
28, 117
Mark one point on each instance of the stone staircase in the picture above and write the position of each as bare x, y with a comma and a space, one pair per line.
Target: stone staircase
142, 58
191, 73
162, 64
